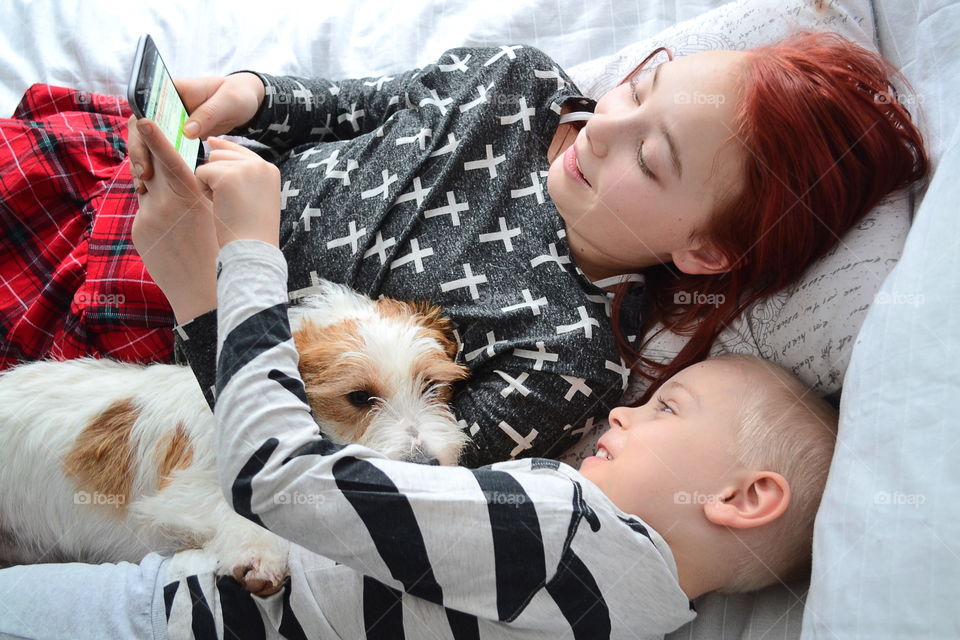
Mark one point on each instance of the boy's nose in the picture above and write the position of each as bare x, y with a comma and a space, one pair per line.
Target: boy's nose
617, 418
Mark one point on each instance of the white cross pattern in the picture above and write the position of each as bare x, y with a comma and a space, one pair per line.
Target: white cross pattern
308, 213
504, 234
418, 193
314, 285
586, 323
383, 189
280, 127
482, 90
548, 74
287, 192
324, 130
469, 281
553, 257
420, 138
528, 302
435, 100
621, 369
458, 64
304, 94
450, 147
504, 51
577, 385
491, 343
349, 239
378, 83
312, 151
524, 114
344, 176
539, 356
351, 116
473, 427
327, 162
536, 189
452, 208
380, 248
605, 300
587, 426
523, 443
415, 256
489, 163
513, 384
334, 90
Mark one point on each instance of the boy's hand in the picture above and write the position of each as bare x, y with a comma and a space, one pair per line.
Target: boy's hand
245, 190
173, 230
216, 105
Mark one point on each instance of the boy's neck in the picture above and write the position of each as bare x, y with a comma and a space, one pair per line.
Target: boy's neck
698, 573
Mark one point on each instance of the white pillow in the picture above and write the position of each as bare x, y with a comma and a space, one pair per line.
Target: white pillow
809, 328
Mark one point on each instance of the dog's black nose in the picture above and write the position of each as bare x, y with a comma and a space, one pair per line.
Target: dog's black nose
422, 457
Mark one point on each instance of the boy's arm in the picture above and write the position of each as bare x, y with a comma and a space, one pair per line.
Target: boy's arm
480, 541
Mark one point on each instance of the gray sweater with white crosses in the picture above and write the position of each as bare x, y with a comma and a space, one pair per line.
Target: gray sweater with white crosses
431, 185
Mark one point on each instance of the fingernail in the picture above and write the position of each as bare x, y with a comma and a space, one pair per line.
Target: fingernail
144, 127
191, 128
138, 169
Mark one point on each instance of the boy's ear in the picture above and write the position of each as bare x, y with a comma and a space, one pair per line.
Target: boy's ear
701, 259
758, 500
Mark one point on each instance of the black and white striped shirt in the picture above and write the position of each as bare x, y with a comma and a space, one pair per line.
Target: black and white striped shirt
387, 549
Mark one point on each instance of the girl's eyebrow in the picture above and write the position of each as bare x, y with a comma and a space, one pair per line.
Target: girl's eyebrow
666, 132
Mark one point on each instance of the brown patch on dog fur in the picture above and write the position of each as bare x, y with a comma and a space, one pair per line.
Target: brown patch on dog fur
101, 460
328, 377
427, 315
172, 453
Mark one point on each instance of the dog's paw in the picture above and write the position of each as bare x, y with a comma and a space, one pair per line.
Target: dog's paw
260, 579
259, 562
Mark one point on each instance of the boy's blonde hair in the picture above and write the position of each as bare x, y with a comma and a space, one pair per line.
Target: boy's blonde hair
787, 429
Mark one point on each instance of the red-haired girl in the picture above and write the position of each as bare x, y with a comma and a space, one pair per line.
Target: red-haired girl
485, 183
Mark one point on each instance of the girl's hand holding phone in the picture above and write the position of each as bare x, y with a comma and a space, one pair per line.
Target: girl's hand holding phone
245, 190
216, 105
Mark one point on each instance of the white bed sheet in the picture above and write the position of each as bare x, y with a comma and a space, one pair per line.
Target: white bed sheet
90, 45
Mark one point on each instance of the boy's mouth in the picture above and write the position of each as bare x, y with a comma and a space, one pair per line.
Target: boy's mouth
603, 453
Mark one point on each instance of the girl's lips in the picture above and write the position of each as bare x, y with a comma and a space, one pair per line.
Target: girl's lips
570, 166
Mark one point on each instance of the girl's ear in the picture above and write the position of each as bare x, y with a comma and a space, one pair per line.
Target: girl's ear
702, 259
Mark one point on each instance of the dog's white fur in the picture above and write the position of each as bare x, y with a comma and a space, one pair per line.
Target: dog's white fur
94, 469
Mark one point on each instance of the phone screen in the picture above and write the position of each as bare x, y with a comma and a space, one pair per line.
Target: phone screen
153, 95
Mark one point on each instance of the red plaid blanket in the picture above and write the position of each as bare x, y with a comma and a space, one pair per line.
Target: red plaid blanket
71, 282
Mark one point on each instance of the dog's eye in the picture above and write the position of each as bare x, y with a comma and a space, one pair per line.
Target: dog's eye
360, 399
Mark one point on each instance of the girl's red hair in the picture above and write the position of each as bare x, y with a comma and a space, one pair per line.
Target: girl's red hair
825, 139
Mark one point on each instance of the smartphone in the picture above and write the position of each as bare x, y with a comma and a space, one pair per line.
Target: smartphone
152, 94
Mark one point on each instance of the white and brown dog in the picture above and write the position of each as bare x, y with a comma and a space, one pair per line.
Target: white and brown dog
103, 461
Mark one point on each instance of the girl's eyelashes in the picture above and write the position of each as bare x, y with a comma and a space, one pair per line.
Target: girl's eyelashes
664, 406
643, 164
640, 161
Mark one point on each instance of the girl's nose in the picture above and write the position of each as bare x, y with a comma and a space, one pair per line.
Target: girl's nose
596, 132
